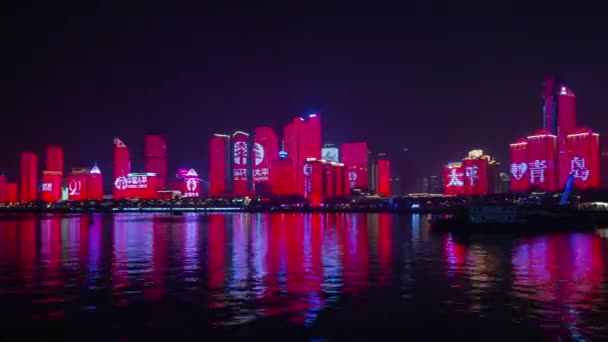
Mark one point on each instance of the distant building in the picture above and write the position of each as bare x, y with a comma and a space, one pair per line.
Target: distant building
583, 148
220, 173
122, 167
432, 185
355, 158
453, 179
520, 176
155, 154
51, 186
542, 160
302, 140
265, 151
188, 183
29, 177
241, 163
54, 159
3, 189
324, 180
12, 191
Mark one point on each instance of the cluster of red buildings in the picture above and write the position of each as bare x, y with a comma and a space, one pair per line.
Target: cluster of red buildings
477, 174
546, 159
241, 164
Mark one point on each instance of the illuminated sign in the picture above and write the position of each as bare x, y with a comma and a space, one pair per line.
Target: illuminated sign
74, 187
537, 171
133, 181
330, 154
47, 187
518, 170
472, 174
307, 170
455, 178
240, 153
578, 169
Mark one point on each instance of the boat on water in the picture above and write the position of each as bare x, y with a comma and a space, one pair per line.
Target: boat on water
511, 218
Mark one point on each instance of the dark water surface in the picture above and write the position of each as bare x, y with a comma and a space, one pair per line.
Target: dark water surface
294, 277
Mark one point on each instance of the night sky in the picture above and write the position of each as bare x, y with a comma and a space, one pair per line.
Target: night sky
439, 82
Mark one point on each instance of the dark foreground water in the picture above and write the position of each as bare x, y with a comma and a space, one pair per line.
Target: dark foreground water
294, 277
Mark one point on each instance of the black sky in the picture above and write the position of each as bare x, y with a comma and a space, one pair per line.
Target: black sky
438, 80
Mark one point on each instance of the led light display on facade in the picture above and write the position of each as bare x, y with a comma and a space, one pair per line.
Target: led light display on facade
241, 163
542, 160
520, 177
453, 179
355, 157
137, 185
584, 158
51, 186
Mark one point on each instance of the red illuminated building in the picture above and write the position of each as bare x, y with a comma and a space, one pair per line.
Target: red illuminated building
566, 124
384, 177
542, 160
12, 192
95, 184
77, 184
584, 158
453, 178
54, 159
156, 158
355, 157
520, 177
323, 180
241, 163
122, 165
265, 151
136, 185
188, 183
302, 140
281, 177
3, 189
29, 177
51, 186
475, 179
219, 165
559, 119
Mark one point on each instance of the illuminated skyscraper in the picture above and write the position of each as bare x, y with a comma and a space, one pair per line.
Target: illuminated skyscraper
78, 184
559, 113
542, 160
3, 189
265, 151
122, 165
355, 157
12, 192
54, 159
520, 177
584, 158
384, 177
475, 172
51, 186
241, 163
29, 177
302, 141
220, 178
95, 184
156, 158
453, 179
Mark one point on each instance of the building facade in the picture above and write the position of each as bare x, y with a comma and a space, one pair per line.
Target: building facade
356, 158
122, 166
155, 153
542, 160
583, 148
220, 174
29, 177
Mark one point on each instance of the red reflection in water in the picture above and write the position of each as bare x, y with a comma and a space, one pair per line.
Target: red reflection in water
50, 253
455, 255
355, 256
120, 277
217, 251
26, 242
157, 288
564, 272
385, 246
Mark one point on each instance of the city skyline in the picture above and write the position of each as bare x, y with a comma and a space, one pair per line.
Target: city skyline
400, 82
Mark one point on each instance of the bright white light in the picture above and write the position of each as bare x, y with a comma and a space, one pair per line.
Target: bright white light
312, 115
